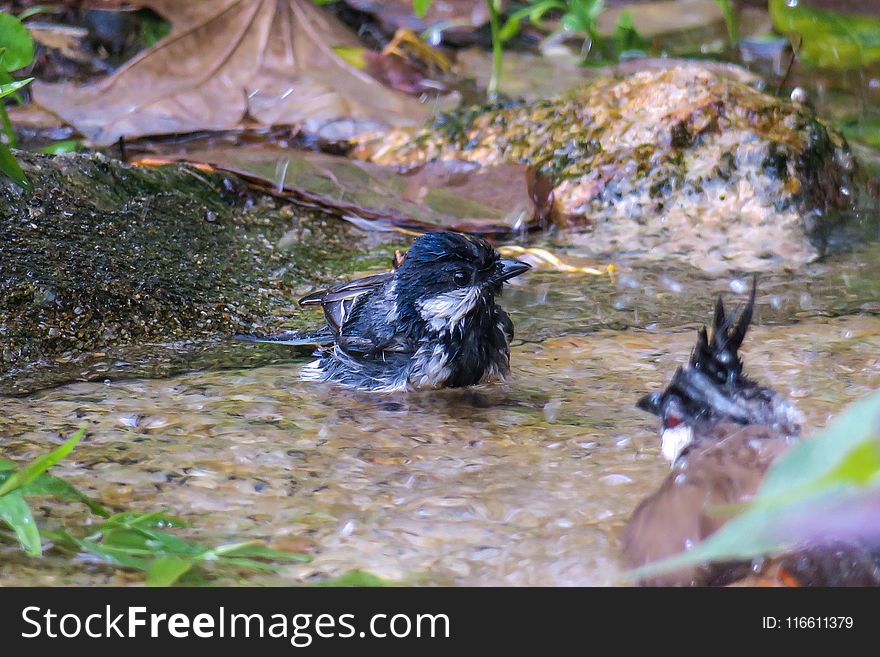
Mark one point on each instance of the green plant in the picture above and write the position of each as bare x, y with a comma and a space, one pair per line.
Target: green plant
829, 39
577, 17
730, 20
16, 52
132, 541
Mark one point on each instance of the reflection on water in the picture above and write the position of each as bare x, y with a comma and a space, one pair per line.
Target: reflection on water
522, 483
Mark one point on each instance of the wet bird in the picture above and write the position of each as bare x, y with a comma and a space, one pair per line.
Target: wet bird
721, 431
431, 323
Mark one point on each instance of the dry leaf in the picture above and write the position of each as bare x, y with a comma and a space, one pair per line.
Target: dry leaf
232, 61
440, 195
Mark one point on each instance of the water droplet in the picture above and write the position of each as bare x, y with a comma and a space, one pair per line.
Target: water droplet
799, 95
792, 3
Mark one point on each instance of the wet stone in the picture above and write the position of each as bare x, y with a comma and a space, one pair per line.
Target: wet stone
687, 162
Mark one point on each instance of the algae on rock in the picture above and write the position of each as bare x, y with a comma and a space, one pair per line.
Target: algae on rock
683, 160
104, 263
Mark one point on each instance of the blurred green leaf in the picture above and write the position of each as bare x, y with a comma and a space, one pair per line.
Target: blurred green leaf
829, 39
813, 461
61, 147
865, 129
9, 167
626, 37
16, 513
165, 571
420, 7
30, 472
730, 20
16, 44
48, 486
843, 459
252, 550
354, 55
534, 13
356, 578
12, 87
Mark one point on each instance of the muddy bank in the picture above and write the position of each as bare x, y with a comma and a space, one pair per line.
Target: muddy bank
109, 268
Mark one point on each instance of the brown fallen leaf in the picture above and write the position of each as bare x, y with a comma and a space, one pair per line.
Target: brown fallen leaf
233, 62
440, 195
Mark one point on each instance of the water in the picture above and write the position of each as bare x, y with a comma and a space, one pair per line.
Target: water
527, 482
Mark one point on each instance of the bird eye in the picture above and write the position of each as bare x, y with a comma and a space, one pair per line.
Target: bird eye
461, 278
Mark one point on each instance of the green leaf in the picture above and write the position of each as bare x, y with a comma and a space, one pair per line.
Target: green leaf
16, 44
832, 467
356, 578
626, 37
730, 20
165, 571
10, 168
421, 7
354, 55
48, 486
34, 469
815, 459
61, 147
830, 39
16, 513
12, 87
865, 129
253, 550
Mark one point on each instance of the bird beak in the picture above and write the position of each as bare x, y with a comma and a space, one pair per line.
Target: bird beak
507, 269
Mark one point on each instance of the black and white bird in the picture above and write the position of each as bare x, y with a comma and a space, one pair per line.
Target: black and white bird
431, 323
713, 390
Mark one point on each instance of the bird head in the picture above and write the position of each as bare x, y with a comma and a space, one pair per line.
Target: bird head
447, 276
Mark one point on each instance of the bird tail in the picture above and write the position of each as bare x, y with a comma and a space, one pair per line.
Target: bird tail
291, 338
713, 373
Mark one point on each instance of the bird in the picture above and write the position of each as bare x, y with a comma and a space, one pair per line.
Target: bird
432, 322
721, 431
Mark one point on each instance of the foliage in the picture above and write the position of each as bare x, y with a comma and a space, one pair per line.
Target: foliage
730, 20
829, 39
29, 480
577, 17
16, 52
61, 146
863, 128
806, 487
127, 540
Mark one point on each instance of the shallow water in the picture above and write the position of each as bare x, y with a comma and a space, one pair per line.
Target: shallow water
528, 482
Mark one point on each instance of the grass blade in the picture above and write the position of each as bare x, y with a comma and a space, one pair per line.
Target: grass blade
17, 514
39, 465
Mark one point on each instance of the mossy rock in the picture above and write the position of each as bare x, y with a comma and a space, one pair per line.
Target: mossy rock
108, 268
684, 160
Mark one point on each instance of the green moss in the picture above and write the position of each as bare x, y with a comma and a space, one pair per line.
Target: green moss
103, 256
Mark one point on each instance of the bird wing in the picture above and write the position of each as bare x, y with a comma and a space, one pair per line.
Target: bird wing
339, 301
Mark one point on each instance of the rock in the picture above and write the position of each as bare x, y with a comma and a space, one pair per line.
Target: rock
107, 269
684, 160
